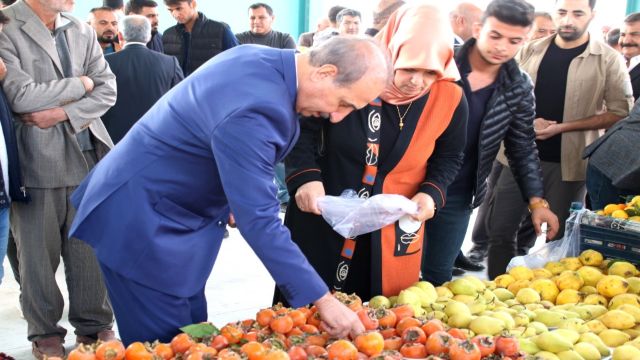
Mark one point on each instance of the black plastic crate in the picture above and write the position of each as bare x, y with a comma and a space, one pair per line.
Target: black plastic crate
611, 242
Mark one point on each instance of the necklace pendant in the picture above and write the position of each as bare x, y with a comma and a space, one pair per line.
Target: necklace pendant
401, 125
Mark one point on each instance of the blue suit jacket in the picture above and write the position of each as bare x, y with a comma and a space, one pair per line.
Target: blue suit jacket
143, 76
155, 208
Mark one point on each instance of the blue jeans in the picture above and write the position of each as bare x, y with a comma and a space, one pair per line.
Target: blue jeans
444, 237
4, 237
283, 194
601, 191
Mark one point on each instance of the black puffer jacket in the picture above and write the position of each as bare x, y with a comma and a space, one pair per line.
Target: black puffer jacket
509, 117
206, 42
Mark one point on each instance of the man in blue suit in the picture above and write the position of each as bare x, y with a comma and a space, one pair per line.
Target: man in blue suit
156, 207
142, 76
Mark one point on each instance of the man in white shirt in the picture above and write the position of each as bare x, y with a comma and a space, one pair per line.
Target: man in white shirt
630, 44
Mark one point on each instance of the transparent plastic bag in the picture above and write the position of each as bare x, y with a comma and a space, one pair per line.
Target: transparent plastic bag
351, 216
568, 246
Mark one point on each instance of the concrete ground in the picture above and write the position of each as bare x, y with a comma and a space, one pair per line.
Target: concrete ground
239, 286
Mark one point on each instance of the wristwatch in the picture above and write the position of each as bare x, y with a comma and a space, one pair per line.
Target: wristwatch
539, 204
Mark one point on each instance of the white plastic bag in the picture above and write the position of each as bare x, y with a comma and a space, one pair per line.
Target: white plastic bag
351, 216
568, 246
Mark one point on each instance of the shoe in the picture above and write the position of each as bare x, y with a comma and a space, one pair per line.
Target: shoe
477, 254
464, 263
104, 336
457, 272
48, 347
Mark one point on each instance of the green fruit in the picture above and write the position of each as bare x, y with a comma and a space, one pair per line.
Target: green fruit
459, 320
546, 355
503, 294
462, 287
485, 325
569, 355
569, 335
596, 341
553, 342
379, 301
528, 346
587, 350
456, 307
626, 352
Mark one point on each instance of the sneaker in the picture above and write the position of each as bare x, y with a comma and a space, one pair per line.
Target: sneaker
48, 347
104, 335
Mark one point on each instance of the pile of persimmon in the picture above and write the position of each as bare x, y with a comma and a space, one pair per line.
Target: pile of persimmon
285, 333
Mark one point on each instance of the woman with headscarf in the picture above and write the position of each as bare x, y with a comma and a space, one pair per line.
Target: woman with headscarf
408, 142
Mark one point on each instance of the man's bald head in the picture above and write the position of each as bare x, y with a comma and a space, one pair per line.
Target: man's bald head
463, 17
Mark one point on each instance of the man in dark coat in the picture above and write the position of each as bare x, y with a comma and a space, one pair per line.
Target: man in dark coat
148, 9
143, 76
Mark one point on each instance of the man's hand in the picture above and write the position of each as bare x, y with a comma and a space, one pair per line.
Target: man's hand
307, 196
44, 119
337, 319
426, 207
541, 124
542, 215
3, 70
87, 83
547, 129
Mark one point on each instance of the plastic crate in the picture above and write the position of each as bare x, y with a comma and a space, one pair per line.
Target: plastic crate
611, 242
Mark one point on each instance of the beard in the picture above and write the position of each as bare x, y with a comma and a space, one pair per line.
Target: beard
574, 35
106, 40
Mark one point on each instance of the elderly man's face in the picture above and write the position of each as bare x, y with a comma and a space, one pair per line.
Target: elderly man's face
542, 27
321, 97
105, 25
350, 25
260, 21
630, 40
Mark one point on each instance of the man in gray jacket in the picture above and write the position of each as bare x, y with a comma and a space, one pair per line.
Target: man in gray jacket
59, 85
609, 179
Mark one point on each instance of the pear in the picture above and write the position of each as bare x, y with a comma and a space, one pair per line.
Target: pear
546, 355
462, 287
631, 299
587, 350
595, 326
555, 267
425, 298
440, 315
490, 284
625, 352
444, 292
570, 335
515, 286
527, 296
634, 333
408, 297
583, 312
459, 320
542, 273
393, 300
506, 318
588, 290
591, 275
511, 302
574, 324
631, 310
569, 355
569, 296
504, 280
528, 346
456, 307
571, 263
428, 288
569, 280
553, 342
489, 296
538, 327
550, 318
612, 285
595, 299
613, 337
532, 307
622, 268
379, 302
618, 319
546, 288
521, 319
596, 341
591, 257
634, 285
477, 283
465, 299
486, 325
503, 294
596, 310
477, 307
521, 273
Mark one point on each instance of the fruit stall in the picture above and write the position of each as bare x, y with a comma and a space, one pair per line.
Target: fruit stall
585, 307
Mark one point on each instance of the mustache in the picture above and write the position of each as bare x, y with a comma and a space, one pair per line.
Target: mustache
628, 45
567, 28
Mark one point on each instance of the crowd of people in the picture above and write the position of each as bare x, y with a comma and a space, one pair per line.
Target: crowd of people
125, 150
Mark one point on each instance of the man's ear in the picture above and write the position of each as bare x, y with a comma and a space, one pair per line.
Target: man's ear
476, 28
323, 72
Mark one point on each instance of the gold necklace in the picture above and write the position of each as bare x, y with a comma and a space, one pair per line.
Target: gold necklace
404, 115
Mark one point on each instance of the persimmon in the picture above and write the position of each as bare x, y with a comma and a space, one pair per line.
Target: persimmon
137, 351
264, 316
485, 343
464, 350
368, 318
232, 332
228, 354
250, 336
254, 350
110, 350
507, 346
314, 319
370, 343
296, 331
316, 339
181, 343
457, 333
163, 351
275, 354
299, 318
309, 329
388, 332
402, 311
393, 343
406, 323
281, 324
219, 342
352, 301
431, 326
413, 351
439, 342
316, 351
82, 352
297, 353
306, 311
386, 318
414, 334
342, 350
388, 355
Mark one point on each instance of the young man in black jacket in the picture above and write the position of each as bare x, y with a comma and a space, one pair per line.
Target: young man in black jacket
501, 108
195, 39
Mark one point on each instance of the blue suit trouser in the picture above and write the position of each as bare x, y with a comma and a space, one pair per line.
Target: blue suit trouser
146, 314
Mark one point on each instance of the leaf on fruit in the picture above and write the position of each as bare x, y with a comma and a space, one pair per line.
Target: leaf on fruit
200, 330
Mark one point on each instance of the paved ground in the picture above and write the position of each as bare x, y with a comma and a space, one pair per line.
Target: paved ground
238, 287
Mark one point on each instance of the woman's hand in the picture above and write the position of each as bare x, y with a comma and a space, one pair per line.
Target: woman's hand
426, 207
307, 196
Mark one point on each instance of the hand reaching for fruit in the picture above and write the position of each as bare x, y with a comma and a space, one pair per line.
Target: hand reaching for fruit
337, 319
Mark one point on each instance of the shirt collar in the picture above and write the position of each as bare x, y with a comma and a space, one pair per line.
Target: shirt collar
133, 42
634, 61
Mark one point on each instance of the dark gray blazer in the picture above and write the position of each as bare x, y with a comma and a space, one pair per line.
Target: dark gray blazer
615, 154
